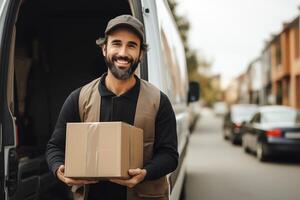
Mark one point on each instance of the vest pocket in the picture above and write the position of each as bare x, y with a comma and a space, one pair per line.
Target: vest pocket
153, 189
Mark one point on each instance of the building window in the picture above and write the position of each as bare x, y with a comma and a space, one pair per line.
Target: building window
298, 91
297, 46
279, 93
278, 52
286, 87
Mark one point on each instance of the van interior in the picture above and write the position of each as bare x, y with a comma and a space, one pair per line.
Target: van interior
55, 53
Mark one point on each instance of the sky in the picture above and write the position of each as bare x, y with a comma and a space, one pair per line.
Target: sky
232, 33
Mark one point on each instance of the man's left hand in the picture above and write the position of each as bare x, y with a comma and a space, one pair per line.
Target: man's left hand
137, 176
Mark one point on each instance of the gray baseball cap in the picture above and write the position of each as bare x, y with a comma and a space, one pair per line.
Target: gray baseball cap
128, 21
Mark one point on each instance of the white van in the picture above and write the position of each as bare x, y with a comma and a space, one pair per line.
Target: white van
47, 50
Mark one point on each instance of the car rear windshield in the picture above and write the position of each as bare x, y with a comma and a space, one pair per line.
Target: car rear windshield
240, 114
281, 116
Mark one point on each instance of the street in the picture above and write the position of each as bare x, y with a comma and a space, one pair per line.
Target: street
218, 170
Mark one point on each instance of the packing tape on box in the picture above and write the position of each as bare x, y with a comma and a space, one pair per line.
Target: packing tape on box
92, 153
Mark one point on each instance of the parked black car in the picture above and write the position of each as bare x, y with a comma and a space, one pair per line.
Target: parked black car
234, 120
273, 130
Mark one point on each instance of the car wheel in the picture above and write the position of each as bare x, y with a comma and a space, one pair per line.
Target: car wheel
225, 137
245, 147
233, 140
261, 152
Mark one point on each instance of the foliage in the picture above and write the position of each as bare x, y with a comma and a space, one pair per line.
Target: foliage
184, 26
194, 60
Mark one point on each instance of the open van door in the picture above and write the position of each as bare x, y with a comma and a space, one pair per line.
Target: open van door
3, 7
37, 72
8, 158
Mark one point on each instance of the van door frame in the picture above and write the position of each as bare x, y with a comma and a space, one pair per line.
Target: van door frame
8, 138
137, 11
3, 71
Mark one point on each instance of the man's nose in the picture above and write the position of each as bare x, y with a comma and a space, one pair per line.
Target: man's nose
123, 51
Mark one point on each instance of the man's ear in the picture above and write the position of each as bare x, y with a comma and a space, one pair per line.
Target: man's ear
103, 48
141, 55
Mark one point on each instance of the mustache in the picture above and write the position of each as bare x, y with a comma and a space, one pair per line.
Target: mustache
125, 58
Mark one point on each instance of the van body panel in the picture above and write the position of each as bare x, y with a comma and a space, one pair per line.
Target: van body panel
167, 70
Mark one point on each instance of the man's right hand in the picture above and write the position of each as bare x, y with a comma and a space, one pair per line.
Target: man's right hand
60, 173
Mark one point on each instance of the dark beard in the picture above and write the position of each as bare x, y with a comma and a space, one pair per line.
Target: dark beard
118, 73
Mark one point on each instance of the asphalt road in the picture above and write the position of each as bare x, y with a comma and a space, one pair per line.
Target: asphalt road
217, 170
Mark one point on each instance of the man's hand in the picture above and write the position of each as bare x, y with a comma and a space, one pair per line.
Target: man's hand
60, 173
137, 176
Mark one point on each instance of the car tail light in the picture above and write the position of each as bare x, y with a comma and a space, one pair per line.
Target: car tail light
237, 125
274, 133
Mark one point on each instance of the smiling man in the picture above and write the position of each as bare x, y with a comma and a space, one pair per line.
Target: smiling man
122, 96
122, 59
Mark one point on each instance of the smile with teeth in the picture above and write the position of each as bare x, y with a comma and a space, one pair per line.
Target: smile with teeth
122, 62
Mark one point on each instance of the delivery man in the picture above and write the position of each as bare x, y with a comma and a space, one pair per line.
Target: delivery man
119, 95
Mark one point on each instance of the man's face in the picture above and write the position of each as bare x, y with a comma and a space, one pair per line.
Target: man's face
122, 53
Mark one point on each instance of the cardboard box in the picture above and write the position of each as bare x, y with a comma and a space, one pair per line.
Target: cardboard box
102, 149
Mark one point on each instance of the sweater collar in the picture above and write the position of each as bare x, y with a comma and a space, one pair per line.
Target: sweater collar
130, 94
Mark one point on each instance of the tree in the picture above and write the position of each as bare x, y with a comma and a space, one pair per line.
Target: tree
184, 26
194, 60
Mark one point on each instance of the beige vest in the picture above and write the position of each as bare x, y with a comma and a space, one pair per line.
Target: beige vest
146, 110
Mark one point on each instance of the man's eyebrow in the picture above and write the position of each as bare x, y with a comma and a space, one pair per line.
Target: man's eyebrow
119, 41
116, 40
133, 43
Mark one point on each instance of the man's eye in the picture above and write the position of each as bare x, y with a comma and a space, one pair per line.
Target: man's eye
131, 45
116, 44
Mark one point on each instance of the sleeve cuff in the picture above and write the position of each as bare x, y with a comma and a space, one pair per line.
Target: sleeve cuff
149, 175
55, 168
